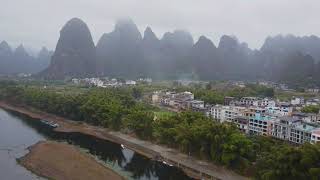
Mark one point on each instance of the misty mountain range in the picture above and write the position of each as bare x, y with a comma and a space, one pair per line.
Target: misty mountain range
20, 61
125, 52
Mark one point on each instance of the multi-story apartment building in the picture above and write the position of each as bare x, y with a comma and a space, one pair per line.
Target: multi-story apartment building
267, 102
228, 100
307, 117
280, 128
257, 102
301, 132
315, 136
293, 129
185, 96
196, 104
249, 101
297, 101
285, 109
176, 100
259, 122
242, 123
216, 112
225, 113
313, 102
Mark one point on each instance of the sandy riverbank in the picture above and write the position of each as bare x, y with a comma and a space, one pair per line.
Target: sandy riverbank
193, 167
64, 162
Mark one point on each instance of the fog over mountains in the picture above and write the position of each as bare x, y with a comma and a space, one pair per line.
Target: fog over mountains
14, 61
126, 53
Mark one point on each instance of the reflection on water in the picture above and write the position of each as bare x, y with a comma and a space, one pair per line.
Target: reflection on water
15, 137
123, 161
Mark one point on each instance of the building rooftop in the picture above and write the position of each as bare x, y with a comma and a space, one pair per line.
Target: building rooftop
196, 101
306, 127
260, 117
316, 131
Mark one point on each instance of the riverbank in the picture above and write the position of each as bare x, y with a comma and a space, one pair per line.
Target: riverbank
193, 167
62, 161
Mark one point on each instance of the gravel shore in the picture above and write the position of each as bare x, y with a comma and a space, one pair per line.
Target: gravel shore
64, 162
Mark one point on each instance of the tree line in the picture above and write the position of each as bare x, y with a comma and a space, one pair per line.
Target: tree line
213, 96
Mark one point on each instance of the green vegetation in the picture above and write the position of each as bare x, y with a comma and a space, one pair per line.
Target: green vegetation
214, 96
251, 90
191, 132
163, 114
287, 95
311, 109
286, 162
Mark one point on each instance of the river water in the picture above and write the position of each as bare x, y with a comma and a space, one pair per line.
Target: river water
17, 132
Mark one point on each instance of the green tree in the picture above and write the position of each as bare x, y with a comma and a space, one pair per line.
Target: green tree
311, 109
141, 123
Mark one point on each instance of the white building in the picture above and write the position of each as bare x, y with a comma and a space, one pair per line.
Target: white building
131, 82
294, 130
315, 136
280, 128
313, 90
267, 102
249, 101
260, 123
301, 132
307, 117
225, 113
312, 102
296, 101
197, 104
286, 109
75, 81
216, 112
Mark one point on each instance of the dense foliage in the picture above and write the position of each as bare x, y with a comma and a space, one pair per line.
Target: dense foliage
214, 96
311, 109
190, 132
251, 90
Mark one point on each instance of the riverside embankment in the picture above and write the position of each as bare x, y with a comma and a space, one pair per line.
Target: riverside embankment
191, 166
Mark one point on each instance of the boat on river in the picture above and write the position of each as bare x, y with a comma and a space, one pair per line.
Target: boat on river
50, 123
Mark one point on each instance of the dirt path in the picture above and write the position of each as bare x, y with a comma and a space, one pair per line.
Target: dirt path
192, 166
64, 162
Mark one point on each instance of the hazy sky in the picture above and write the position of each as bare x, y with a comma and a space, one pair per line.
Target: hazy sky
37, 23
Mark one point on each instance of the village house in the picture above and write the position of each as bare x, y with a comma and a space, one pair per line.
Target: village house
131, 82
312, 90
259, 121
252, 115
292, 129
242, 123
301, 132
313, 102
249, 101
307, 117
280, 128
315, 136
297, 101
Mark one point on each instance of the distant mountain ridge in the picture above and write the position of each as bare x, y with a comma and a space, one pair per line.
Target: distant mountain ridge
124, 52
19, 61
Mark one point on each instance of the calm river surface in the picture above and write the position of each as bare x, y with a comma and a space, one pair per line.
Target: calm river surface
17, 132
